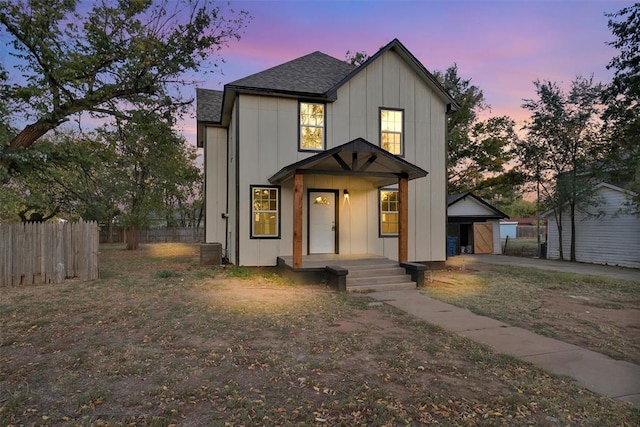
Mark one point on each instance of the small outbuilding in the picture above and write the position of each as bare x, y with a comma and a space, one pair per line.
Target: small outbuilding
508, 229
606, 233
473, 225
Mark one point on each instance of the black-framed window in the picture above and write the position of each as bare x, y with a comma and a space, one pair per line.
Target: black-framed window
312, 126
389, 214
392, 130
265, 212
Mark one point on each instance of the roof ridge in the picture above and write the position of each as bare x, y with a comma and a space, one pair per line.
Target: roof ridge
311, 74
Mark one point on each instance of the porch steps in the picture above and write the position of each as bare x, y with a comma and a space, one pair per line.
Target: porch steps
382, 275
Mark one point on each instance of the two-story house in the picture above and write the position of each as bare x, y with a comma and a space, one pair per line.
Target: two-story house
316, 156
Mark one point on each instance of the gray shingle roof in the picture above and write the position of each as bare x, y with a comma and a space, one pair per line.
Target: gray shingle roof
208, 105
314, 73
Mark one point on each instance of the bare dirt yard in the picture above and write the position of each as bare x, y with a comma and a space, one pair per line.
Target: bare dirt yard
161, 341
598, 313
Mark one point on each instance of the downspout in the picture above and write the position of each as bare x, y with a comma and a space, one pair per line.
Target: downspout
226, 207
449, 110
204, 181
237, 216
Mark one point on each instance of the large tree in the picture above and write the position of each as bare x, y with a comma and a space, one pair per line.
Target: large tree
622, 97
478, 150
57, 178
127, 169
71, 57
154, 169
356, 58
563, 149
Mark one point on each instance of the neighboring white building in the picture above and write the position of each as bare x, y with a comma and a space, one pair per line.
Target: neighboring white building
316, 155
605, 234
474, 224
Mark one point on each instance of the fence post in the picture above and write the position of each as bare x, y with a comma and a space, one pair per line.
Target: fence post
95, 248
5, 254
16, 245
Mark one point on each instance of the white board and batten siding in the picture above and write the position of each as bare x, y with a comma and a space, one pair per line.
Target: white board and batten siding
215, 184
390, 83
612, 238
497, 242
268, 141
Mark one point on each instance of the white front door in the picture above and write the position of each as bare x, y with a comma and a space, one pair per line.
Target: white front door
322, 222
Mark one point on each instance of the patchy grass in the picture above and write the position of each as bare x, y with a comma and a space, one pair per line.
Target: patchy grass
597, 313
164, 274
202, 348
239, 271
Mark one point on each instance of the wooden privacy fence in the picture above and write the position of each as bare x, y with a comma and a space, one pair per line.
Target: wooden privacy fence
37, 253
529, 231
155, 235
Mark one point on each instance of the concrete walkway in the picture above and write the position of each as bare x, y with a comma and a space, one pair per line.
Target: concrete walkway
613, 378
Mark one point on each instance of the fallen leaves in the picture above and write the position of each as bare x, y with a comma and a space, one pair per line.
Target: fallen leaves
234, 353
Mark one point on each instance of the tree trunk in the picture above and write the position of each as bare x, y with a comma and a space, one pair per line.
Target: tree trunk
24, 139
132, 240
200, 215
559, 223
110, 229
30, 134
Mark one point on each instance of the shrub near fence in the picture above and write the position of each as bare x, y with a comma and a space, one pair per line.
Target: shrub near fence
37, 253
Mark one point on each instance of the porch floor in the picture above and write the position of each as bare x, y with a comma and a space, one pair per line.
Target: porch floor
320, 261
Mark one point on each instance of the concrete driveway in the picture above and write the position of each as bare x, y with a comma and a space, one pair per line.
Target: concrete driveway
468, 260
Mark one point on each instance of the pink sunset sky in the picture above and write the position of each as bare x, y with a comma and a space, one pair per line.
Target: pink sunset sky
502, 46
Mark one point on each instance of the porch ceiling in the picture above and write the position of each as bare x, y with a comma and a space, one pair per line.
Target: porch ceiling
357, 158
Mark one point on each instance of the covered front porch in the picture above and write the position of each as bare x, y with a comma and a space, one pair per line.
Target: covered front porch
356, 159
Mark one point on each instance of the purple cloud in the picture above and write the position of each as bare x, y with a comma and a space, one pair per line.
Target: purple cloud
502, 46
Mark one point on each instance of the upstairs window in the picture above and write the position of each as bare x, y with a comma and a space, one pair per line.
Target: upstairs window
389, 212
311, 126
391, 130
265, 212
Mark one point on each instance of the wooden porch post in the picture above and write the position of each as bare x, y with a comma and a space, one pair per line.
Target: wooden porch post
403, 220
297, 220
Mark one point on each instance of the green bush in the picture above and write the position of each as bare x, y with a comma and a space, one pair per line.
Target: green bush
163, 274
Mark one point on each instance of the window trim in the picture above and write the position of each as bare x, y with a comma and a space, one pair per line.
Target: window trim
380, 110
324, 126
252, 235
380, 212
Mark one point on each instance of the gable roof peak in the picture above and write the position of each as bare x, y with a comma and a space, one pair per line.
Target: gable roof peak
414, 63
